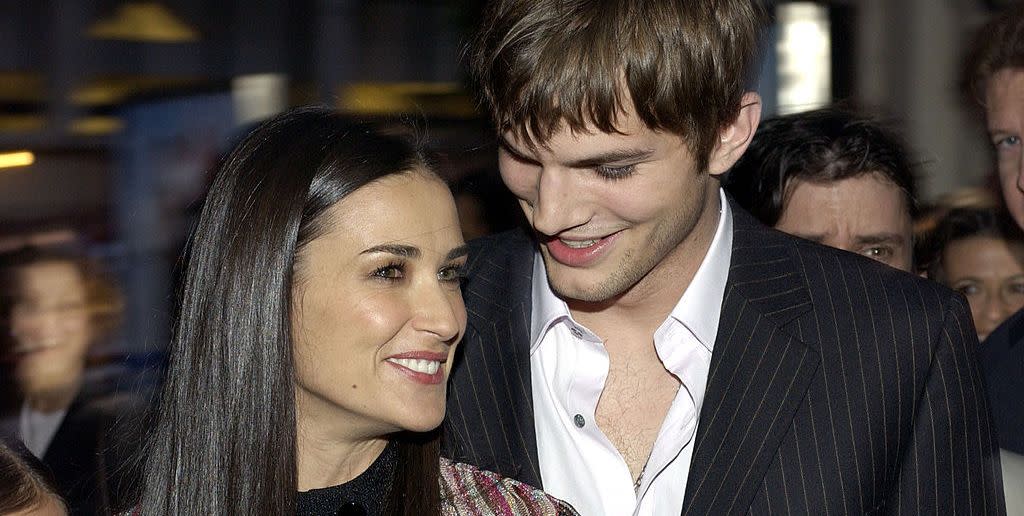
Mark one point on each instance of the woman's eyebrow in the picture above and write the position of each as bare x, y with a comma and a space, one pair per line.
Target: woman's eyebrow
458, 252
405, 251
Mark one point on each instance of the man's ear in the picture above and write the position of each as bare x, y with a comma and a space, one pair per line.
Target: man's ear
734, 138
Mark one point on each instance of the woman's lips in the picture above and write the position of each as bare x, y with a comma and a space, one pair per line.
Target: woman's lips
423, 367
578, 252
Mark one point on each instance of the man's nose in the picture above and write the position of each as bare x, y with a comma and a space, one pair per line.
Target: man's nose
558, 206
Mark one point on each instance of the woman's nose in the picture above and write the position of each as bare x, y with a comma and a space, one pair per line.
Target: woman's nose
438, 312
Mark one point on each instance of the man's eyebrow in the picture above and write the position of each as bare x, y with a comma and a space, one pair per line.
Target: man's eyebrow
604, 158
819, 238
612, 156
456, 253
405, 251
881, 238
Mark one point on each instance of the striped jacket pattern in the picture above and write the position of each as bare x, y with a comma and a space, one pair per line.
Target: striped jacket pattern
837, 385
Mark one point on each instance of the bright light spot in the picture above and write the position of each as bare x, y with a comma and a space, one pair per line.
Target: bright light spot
16, 159
805, 56
257, 97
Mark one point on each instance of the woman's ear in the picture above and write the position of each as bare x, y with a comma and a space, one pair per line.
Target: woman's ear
735, 137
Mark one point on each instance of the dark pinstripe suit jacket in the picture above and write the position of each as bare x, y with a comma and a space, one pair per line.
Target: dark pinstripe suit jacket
837, 385
1002, 362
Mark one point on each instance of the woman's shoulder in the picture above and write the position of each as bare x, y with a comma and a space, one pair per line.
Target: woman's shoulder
467, 490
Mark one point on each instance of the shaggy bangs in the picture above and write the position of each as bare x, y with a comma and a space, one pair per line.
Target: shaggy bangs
682, 66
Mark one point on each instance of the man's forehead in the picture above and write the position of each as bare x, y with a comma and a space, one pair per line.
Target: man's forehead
1004, 95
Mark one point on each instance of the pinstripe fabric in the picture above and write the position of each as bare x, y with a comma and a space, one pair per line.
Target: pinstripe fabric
837, 385
1002, 364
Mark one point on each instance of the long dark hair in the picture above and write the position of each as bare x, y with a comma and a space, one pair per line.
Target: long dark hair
224, 440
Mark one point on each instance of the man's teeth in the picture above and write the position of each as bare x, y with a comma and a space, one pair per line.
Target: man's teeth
420, 366
579, 244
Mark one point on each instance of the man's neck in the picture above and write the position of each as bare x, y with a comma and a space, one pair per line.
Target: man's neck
53, 398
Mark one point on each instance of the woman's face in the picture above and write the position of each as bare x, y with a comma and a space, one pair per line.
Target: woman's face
50, 323
377, 309
990, 273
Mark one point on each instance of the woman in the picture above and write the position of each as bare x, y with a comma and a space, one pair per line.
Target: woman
57, 304
980, 252
319, 320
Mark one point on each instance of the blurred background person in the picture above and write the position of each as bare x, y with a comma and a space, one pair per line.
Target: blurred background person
980, 253
57, 304
25, 489
833, 177
995, 78
930, 214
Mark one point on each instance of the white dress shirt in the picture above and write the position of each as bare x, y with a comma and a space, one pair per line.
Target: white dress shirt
569, 366
37, 429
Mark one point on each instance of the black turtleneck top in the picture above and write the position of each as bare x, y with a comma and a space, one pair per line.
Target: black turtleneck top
364, 495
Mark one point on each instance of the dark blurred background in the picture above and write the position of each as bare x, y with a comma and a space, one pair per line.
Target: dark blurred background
114, 112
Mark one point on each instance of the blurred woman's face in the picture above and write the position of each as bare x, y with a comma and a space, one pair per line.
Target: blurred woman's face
50, 323
990, 273
377, 308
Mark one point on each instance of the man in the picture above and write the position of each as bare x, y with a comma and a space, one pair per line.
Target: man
996, 76
832, 177
649, 348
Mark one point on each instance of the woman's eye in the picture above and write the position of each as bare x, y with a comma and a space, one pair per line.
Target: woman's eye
613, 173
451, 274
390, 272
968, 290
1009, 141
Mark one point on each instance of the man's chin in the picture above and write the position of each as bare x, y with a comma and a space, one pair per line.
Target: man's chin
575, 285
43, 382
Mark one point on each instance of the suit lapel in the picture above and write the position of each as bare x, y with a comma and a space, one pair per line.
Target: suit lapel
493, 395
759, 372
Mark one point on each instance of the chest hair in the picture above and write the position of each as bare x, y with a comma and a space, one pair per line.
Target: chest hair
637, 395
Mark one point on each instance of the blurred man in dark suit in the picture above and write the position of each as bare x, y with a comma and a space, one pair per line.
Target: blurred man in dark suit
996, 79
647, 347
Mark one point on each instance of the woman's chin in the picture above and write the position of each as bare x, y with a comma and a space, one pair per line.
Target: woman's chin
423, 424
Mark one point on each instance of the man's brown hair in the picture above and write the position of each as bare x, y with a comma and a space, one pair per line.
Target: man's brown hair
540, 63
998, 45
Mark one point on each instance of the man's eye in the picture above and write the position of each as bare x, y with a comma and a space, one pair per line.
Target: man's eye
1007, 142
877, 252
609, 172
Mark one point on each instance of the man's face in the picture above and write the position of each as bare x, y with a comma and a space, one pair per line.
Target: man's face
866, 214
612, 211
1004, 110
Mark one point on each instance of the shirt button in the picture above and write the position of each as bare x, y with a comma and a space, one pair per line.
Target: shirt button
579, 421
576, 332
